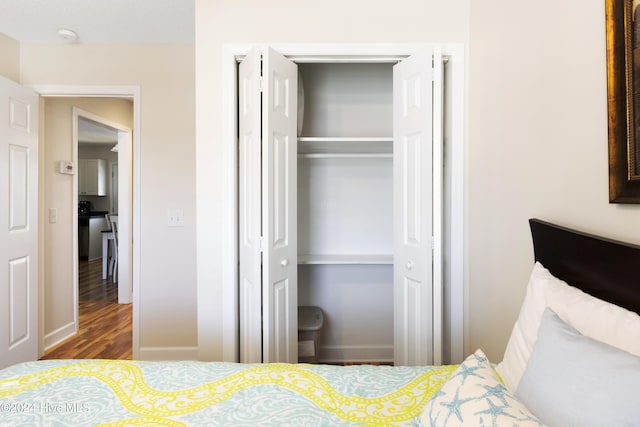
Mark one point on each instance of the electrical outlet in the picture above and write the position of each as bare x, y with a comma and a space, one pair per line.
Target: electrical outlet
53, 215
175, 219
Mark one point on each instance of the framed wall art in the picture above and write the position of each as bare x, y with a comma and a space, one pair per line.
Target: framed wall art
623, 99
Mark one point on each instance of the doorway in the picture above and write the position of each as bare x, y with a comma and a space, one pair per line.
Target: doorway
62, 301
97, 141
97, 159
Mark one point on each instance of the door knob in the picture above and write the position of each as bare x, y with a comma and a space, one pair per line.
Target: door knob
284, 262
409, 265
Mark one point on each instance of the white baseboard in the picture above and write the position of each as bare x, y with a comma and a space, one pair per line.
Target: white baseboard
168, 353
356, 353
62, 333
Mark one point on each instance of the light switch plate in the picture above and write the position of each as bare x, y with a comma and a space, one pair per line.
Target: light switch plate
175, 219
53, 215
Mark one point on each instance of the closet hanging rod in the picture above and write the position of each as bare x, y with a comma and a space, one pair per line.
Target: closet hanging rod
352, 59
345, 155
346, 59
320, 59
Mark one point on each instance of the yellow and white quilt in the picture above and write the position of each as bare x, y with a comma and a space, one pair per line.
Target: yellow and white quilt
126, 393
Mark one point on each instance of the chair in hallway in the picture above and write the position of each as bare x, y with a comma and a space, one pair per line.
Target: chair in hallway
114, 258
110, 248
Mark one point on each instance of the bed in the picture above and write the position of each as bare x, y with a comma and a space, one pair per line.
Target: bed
514, 392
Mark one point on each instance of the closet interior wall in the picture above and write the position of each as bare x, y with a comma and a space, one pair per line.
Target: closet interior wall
345, 206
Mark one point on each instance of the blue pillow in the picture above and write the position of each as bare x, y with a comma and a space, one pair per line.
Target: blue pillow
573, 380
474, 396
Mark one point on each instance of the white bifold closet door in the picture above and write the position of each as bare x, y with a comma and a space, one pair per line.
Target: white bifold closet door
268, 208
413, 210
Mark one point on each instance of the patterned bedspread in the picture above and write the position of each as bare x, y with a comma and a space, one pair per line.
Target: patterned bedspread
126, 393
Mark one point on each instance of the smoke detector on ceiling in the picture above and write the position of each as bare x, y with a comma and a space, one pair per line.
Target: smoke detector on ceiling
67, 35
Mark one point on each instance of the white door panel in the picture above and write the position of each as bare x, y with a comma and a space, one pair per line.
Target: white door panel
412, 152
18, 223
280, 348
279, 210
249, 204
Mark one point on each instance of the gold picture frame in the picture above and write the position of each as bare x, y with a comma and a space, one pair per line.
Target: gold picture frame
623, 99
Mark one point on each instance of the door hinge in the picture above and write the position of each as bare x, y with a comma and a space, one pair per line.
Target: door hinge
261, 83
433, 250
260, 244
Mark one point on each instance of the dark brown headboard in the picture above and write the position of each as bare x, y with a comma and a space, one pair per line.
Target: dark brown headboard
604, 268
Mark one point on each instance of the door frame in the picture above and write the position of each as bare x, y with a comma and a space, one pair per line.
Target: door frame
454, 269
113, 167
128, 92
124, 156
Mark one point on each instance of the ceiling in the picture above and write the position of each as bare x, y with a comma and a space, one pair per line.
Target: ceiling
93, 133
99, 21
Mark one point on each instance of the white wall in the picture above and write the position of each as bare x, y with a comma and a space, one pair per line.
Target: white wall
537, 147
9, 58
537, 137
536, 130
165, 75
284, 21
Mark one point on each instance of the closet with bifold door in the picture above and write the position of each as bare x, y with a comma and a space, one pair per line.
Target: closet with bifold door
335, 205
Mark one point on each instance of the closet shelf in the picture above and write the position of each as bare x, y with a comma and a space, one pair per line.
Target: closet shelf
358, 259
349, 146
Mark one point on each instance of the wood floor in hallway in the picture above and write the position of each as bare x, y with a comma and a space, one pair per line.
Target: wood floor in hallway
105, 326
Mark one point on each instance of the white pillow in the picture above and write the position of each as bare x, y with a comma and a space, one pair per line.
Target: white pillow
591, 316
474, 396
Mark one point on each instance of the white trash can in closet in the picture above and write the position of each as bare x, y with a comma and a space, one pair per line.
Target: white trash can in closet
310, 321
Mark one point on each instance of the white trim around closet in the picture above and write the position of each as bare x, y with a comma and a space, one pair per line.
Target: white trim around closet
454, 54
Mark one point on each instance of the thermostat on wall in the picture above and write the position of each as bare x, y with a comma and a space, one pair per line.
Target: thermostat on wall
66, 167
